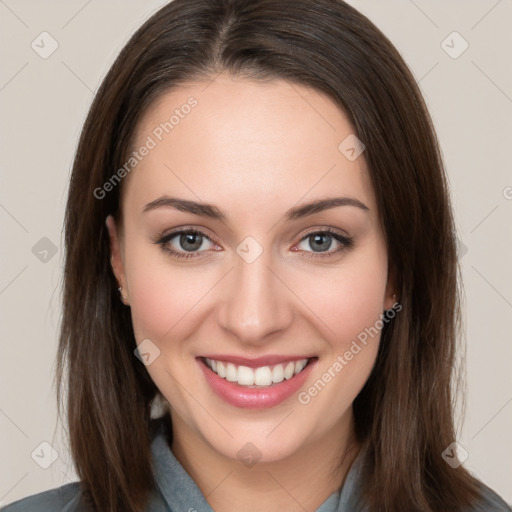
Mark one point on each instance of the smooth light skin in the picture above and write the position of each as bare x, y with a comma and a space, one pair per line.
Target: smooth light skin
254, 149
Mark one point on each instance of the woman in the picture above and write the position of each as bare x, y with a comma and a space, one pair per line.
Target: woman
259, 237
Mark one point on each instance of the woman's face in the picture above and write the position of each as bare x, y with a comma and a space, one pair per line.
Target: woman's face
259, 288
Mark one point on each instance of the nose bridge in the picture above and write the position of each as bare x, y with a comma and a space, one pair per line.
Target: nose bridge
256, 303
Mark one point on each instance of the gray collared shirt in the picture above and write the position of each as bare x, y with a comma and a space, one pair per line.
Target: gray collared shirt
177, 492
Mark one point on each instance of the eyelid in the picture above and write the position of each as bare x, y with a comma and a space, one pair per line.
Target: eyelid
325, 229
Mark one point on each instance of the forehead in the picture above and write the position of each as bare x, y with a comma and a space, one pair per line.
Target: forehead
245, 143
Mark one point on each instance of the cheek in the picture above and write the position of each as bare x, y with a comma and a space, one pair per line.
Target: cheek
163, 297
346, 302
350, 309
163, 300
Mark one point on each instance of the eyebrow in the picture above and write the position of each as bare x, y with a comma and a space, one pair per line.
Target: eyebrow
211, 211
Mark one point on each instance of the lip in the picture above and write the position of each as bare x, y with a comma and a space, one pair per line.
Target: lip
253, 398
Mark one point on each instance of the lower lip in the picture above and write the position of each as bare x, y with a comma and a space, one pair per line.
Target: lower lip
253, 398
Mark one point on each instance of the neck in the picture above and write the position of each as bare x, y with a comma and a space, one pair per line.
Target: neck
301, 481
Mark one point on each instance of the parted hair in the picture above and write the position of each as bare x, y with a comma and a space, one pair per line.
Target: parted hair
404, 415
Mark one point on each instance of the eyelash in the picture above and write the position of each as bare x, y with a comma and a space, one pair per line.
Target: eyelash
346, 242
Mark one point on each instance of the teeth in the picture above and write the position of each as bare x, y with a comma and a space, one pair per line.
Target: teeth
263, 376
246, 376
221, 369
231, 372
299, 365
288, 370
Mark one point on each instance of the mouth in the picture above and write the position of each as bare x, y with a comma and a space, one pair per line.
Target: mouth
255, 386
259, 377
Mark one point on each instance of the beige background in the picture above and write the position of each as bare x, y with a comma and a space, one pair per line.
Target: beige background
43, 103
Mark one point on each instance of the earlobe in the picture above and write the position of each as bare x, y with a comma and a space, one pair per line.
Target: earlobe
116, 260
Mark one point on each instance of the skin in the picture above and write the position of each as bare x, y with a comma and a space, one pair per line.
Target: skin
254, 149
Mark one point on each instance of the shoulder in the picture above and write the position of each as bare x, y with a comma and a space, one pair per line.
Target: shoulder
67, 498
490, 502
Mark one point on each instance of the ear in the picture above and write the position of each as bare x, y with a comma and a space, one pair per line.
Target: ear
116, 256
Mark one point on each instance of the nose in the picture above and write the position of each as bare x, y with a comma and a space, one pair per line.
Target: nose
257, 303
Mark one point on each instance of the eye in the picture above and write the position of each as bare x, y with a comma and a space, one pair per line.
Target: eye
185, 243
191, 243
321, 241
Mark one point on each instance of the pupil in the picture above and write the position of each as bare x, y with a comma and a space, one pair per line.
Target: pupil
189, 239
323, 240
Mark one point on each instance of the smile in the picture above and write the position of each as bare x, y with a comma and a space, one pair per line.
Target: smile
262, 376
255, 385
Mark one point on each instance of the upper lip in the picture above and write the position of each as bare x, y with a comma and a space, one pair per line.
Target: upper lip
255, 362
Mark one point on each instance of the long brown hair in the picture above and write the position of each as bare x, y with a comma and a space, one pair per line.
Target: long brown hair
404, 412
